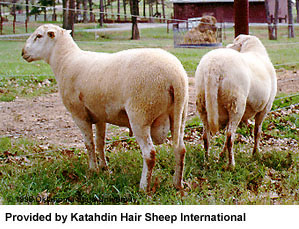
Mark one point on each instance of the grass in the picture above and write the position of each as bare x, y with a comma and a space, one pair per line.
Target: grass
32, 170
29, 172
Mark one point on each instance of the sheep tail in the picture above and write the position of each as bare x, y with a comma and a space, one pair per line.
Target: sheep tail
212, 79
180, 102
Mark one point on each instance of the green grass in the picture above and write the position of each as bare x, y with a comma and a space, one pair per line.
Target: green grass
28, 171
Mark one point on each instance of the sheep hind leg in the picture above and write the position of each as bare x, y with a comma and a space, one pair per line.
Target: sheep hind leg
143, 137
230, 138
179, 152
100, 143
259, 118
86, 130
206, 135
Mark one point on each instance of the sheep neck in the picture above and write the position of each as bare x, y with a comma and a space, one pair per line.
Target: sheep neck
63, 49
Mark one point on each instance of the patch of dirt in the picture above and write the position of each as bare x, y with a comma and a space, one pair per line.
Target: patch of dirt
45, 118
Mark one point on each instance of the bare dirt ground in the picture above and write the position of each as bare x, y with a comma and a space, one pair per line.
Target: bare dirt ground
45, 118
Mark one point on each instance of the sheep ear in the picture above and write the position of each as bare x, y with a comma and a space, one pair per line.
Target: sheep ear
51, 34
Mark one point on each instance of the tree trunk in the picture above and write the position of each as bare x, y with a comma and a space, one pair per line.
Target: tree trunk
1, 19
163, 9
144, 13
27, 10
71, 16
290, 20
85, 20
54, 17
269, 22
78, 11
45, 14
125, 9
91, 15
101, 13
276, 18
297, 10
64, 13
134, 12
118, 10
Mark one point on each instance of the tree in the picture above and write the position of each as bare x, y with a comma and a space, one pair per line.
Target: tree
290, 20
101, 12
64, 13
272, 30
297, 9
43, 7
85, 11
135, 13
91, 15
27, 10
118, 10
71, 17
125, 9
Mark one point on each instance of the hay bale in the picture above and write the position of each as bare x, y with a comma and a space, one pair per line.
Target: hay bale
203, 33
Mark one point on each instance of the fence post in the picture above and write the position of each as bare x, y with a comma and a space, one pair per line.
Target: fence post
241, 11
26, 26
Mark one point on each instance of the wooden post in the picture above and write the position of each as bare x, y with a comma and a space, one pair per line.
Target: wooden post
241, 17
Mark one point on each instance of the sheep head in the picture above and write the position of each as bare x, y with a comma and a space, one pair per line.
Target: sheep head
41, 42
247, 43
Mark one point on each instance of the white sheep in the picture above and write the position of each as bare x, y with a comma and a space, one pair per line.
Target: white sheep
234, 84
145, 90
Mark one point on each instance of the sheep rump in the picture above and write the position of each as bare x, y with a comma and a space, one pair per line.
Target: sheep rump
234, 84
145, 90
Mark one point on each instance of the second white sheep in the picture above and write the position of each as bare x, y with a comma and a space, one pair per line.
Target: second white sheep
234, 84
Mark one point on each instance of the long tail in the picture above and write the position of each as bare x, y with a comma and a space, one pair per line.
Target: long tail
180, 111
212, 79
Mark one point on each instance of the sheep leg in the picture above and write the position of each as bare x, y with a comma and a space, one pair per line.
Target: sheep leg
179, 152
86, 130
259, 118
206, 134
100, 143
230, 138
229, 144
143, 137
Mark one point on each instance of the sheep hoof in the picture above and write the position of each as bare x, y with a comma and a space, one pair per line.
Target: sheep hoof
230, 167
104, 167
256, 155
178, 186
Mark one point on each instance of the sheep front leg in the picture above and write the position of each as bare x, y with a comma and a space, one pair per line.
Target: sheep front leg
100, 143
86, 130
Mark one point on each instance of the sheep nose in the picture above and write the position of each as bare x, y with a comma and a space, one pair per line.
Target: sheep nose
23, 52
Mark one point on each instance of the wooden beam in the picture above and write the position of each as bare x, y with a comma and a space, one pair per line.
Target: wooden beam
241, 17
